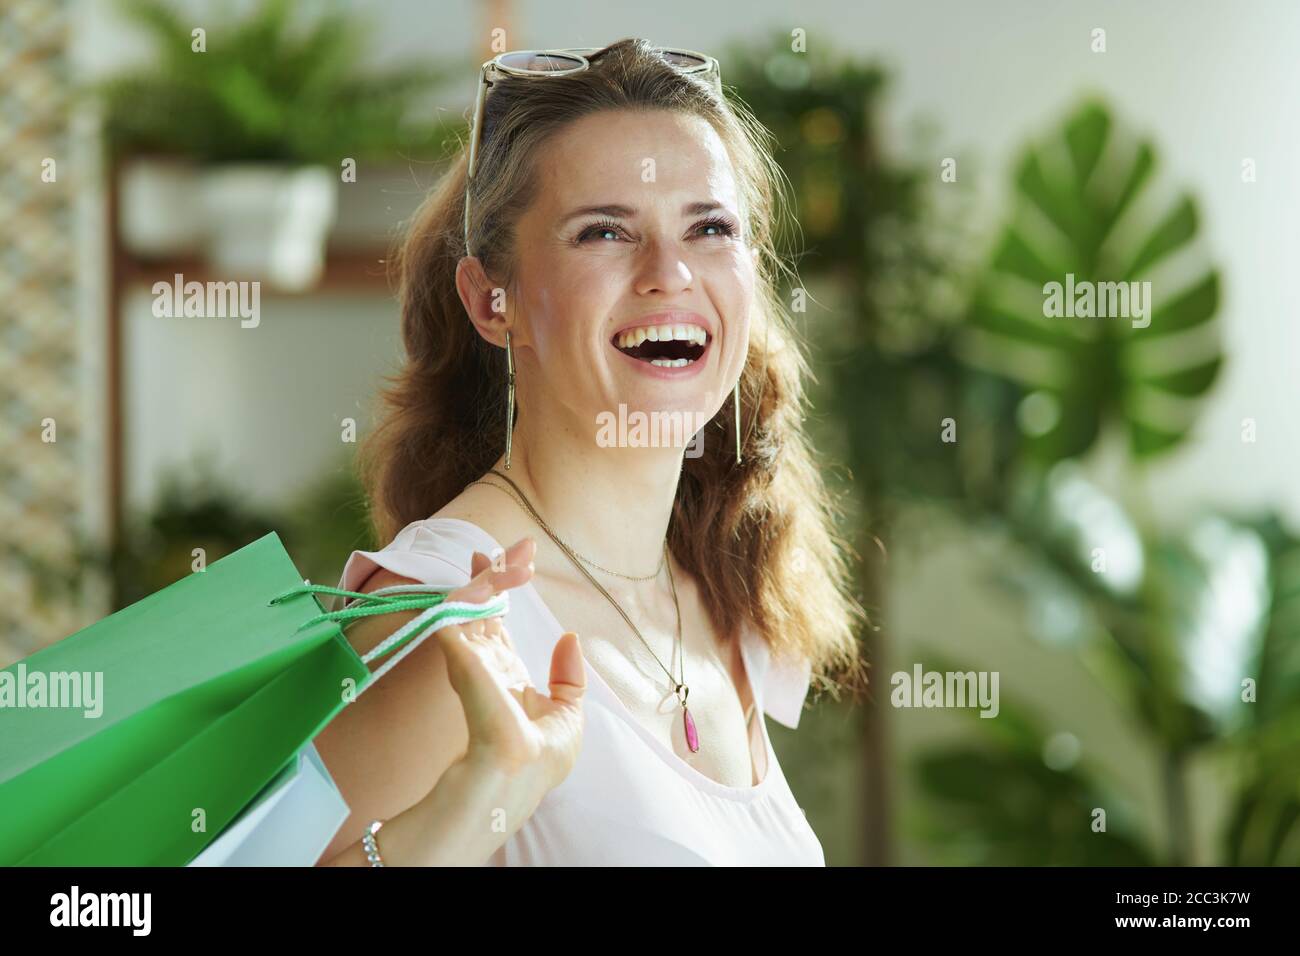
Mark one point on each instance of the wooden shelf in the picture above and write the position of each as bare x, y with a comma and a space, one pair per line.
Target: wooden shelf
349, 269
346, 270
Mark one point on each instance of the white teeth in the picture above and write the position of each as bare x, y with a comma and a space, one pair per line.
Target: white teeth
631, 338
670, 363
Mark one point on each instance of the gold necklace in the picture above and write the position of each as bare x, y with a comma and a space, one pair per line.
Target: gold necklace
680, 690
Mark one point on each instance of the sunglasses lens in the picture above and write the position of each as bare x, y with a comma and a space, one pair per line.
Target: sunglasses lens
685, 61
528, 62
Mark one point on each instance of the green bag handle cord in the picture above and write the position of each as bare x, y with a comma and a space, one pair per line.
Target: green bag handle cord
437, 613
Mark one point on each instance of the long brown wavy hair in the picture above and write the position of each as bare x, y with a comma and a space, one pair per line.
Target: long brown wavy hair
760, 538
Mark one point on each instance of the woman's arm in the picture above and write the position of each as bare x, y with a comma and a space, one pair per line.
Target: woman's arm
387, 749
513, 744
451, 826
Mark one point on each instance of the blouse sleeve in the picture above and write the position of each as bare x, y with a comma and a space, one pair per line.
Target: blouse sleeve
785, 688
782, 684
410, 555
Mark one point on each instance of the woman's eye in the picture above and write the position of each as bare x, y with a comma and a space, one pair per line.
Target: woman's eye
723, 227
599, 229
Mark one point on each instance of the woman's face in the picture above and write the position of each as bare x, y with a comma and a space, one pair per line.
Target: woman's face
667, 252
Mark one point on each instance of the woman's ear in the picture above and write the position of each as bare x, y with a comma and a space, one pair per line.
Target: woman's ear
484, 301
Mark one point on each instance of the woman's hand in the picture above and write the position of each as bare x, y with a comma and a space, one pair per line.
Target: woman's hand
517, 735
520, 742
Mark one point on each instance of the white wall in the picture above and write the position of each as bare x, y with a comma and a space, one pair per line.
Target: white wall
267, 400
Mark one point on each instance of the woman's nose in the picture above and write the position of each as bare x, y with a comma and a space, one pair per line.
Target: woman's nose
663, 269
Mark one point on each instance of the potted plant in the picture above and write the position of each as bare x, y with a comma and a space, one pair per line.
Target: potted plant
245, 127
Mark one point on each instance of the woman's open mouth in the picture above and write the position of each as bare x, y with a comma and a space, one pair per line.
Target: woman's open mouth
665, 346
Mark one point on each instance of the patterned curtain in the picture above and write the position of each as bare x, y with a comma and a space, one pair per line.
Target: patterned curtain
45, 471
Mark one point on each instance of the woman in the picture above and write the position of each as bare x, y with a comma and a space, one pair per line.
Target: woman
613, 254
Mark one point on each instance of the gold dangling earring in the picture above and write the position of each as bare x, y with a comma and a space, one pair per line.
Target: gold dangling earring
510, 395
735, 400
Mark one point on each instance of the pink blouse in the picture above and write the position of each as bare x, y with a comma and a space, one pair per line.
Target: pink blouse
629, 800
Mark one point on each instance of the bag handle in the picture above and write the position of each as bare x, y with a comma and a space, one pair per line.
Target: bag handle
436, 613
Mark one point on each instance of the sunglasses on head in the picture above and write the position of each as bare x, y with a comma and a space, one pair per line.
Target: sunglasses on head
552, 63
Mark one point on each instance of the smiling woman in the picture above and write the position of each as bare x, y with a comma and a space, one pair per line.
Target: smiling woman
621, 214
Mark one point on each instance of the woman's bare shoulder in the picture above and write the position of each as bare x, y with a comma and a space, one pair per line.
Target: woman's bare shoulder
492, 509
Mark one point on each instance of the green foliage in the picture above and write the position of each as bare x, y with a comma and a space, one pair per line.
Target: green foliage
195, 509
1217, 605
870, 243
327, 522
190, 513
192, 510
1088, 204
1263, 827
266, 89
1040, 815
1207, 606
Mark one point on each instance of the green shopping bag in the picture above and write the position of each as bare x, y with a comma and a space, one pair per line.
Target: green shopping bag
210, 687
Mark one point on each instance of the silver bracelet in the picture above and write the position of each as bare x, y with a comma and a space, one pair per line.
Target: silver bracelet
371, 847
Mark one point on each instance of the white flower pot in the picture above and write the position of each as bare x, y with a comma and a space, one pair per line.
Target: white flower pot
269, 221
160, 210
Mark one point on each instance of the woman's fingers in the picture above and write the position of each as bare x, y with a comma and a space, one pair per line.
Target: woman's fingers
568, 680
568, 676
504, 713
487, 703
512, 569
559, 717
477, 563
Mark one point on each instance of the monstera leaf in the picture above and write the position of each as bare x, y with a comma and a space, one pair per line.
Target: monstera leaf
1098, 301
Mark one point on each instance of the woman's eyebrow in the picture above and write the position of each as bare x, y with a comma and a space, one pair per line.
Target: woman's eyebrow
627, 212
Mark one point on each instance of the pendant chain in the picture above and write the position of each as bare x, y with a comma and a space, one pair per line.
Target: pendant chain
679, 685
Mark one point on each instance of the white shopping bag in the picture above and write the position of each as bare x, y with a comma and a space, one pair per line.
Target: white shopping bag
290, 823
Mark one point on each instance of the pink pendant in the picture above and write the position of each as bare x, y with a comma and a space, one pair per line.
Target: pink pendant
692, 737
